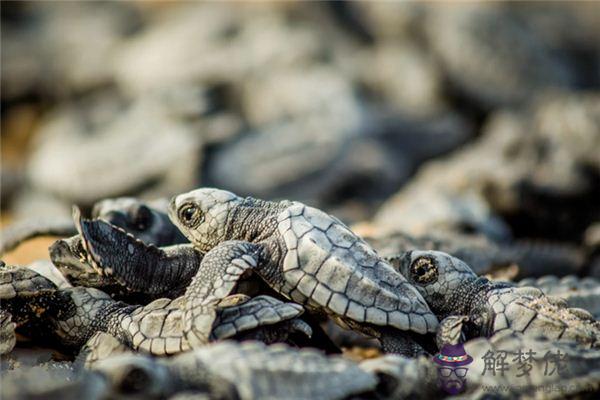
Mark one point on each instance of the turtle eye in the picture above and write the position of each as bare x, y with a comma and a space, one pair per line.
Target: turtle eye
423, 270
190, 215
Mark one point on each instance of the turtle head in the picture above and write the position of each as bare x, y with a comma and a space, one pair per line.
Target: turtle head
434, 273
203, 215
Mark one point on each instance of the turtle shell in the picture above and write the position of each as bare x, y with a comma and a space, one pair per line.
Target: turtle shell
327, 266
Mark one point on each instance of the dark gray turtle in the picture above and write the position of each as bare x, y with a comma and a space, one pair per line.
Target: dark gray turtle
147, 220
472, 305
417, 378
129, 276
142, 268
252, 369
69, 317
309, 257
578, 292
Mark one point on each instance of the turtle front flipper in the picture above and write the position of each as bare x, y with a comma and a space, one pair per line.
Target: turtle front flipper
451, 330
218, 275
139, 267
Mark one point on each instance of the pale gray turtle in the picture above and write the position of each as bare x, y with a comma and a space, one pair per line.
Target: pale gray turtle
252, 369
310, 257
417, 378
52, 381
474, 306
117, 254
68, 317
578, 292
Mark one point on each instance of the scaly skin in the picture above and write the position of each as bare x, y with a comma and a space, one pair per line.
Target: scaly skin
251, 369
72, 316
452, 289
309, 257
142, 268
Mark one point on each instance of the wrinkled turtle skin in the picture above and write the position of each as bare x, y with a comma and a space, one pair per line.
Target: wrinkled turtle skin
417, 378
250, 369
68, 318
311, 258
474, 306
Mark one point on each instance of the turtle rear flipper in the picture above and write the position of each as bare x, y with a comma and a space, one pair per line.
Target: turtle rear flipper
136, 265
258, 312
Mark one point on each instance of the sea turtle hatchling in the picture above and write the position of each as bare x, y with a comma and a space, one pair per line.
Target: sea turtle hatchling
252, 369
312, 258
69, 317
576, 373
147, 220
474, 306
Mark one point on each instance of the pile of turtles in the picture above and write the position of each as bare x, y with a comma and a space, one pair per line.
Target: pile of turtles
212, 295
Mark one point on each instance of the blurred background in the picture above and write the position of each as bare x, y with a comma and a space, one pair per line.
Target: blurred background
479, 119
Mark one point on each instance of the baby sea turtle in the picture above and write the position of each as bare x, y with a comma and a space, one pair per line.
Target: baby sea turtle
147, 220
310, 257
472, 305
252, 369
70, 317
417, 378
118, 254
